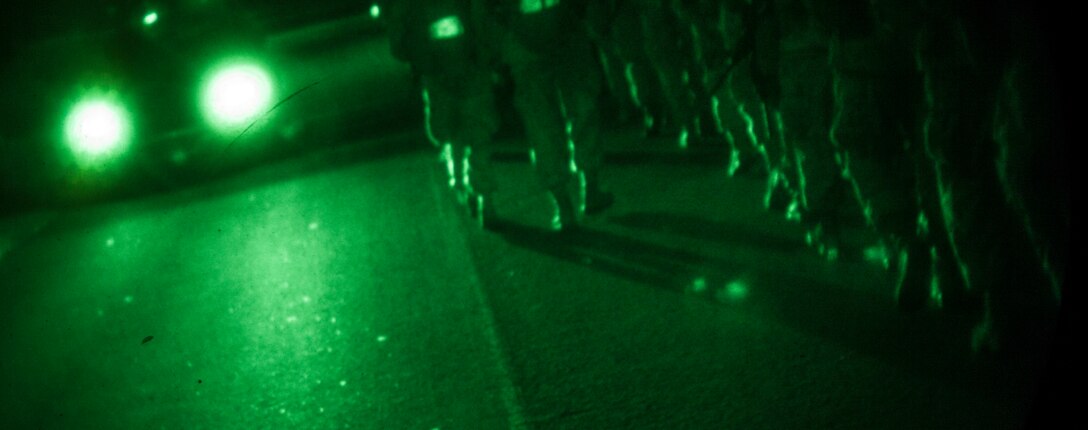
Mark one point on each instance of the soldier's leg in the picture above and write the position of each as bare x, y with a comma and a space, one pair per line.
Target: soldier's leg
643, 85
782, 190
987, 236
579, 86
760, 123
873, 159
1032, 161
537, 99
884, 184
952, 292
646, 88
707, 121
707, 40
478, 123
441, 115
428, 117
806, 109
620, 106
664, 48
742, 118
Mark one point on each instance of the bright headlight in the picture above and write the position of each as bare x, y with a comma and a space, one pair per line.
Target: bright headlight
97, 127
237, 95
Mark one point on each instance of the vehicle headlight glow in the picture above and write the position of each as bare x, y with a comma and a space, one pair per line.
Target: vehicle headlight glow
237, 95
97, 127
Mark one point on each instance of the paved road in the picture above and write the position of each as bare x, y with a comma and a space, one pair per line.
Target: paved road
346, 291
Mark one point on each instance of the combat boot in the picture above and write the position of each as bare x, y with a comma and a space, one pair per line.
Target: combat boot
822, 234
596, 200
777, 197
955, 295
912, 287
482, 211
565, 219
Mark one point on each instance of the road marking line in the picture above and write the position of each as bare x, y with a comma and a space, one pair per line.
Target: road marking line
515, 417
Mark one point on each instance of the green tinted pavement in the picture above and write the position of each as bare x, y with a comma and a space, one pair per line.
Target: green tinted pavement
334, 292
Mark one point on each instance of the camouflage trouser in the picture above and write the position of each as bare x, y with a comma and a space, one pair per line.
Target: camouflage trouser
644, 87
1032, 162
970, 138
461, 120
557, 98
806, 112
708, 52
743, 114
872, 131
754, 119
990, 239
667, 47
646, 90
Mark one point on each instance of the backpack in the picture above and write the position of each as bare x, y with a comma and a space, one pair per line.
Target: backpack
436, 35
542, 26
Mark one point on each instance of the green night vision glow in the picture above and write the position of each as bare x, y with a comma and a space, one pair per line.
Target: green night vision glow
97, 127
151, 18
447, 28
237, 95
451, 164
698, 285
733, 292
875, 254
375, 11
736, 290
534, 6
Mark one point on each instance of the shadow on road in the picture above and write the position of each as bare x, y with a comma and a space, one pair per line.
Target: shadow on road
929, 344
645, 262
702, 229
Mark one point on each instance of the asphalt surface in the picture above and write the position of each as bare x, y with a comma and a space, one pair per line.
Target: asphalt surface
347, 289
